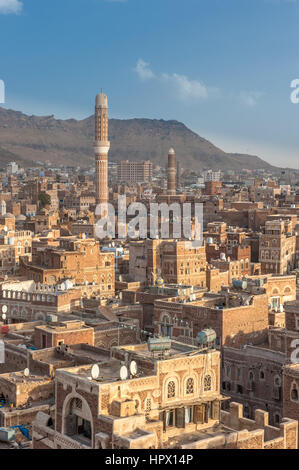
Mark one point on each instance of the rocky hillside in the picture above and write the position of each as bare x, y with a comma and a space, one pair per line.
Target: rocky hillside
29, 139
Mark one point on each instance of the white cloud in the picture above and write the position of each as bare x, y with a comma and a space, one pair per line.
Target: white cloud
186, 88
189, 90
250, 98
10, 6
143, 70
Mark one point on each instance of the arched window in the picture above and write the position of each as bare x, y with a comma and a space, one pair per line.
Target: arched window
207, 383
277, 381
294, 393
76, 403
190, 386
171, 389
148, 405
262, 375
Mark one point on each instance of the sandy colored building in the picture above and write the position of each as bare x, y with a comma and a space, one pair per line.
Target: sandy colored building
173, 402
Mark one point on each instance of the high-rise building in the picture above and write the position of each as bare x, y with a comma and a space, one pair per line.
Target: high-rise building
134, 172
101, 148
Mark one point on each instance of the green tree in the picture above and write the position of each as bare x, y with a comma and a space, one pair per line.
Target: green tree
44, 199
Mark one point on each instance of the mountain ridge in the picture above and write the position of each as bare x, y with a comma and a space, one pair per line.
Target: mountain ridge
28, 139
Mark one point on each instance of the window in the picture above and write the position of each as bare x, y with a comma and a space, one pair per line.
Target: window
171, 389
277, 381
207, 383
188, 415
262, 375
239, 389
170, 418
294, 393
148, 405
246, 411
76, 403
190, 386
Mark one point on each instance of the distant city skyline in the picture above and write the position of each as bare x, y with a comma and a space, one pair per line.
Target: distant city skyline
222, 67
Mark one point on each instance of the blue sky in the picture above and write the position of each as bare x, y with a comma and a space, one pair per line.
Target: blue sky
223, 67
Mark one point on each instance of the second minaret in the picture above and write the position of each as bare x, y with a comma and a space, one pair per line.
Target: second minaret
101, 148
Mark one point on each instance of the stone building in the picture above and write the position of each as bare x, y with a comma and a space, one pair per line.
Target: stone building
78, 259
172, 260
172, 402
277, 248
237, 316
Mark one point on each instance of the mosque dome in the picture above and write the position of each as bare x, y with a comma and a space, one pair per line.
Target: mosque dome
159, 282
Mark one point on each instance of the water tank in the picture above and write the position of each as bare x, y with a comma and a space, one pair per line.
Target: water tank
210, 241
161, 344
69, 284
239, 284
52, 319
7, 435
223, 256
206, 336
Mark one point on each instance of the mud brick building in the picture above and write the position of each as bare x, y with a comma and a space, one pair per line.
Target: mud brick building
173, 402
277, 248
252, 376
28, 301
76, 259
66, 332
237, 317
172, 260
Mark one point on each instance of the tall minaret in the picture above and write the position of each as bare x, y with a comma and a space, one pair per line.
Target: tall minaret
101, 148
171, 173
178, 175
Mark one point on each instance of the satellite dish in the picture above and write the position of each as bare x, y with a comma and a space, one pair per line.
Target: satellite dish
123, 373
4, 309
3, 316
133, 368
26, 372
95, 372
63, 287
5, 229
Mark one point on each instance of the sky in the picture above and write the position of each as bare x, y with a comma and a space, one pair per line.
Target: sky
222, 67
